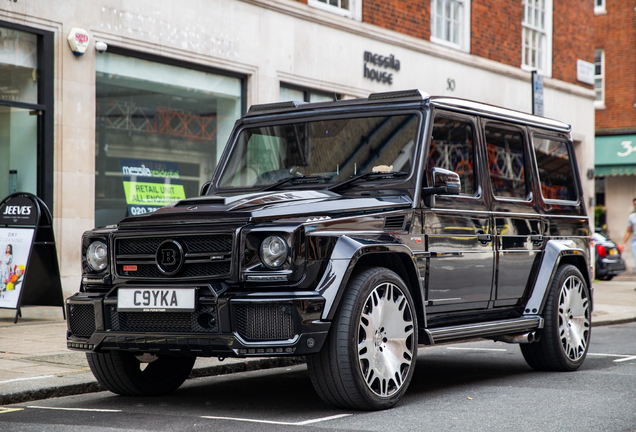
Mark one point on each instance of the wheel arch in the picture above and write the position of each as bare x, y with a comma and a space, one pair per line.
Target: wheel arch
557, 253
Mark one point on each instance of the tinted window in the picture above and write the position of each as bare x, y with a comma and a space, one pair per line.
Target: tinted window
452, 149
555, 170
506, 161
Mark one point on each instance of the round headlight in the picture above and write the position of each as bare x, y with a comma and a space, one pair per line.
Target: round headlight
273, 252
97, 255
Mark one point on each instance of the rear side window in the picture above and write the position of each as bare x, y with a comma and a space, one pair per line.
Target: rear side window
506, 161
555, 169
452, 148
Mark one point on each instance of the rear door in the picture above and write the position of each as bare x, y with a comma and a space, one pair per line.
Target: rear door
458, 231
518, 227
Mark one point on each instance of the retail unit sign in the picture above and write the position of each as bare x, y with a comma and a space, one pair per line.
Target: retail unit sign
150, 185
378, 67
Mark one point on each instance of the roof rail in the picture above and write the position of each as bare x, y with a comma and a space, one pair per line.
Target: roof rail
400, 94
275, 106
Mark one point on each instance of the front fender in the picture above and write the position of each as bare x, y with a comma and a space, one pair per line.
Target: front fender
555, 252
346, 254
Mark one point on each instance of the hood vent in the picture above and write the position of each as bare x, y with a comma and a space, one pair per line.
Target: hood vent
394, 223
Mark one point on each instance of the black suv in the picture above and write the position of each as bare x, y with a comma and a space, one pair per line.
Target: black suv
349, 232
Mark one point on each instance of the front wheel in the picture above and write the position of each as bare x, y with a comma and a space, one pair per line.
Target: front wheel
139, 375
369, 357
568, 323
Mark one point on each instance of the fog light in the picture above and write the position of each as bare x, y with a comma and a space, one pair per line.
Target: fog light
311, 342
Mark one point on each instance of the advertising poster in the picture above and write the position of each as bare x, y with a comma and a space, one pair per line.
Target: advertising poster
15, 246
150, 185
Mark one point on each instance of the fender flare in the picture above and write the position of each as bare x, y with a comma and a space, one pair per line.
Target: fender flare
555, 250
344, 257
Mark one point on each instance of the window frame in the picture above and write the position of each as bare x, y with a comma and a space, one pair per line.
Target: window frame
450, 115
599, 9
44, 107
464, 26
546, 70
600, 103
485, 123
354, 11
306, 92
570, 149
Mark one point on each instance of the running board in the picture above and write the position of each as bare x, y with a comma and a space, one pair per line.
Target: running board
492, 328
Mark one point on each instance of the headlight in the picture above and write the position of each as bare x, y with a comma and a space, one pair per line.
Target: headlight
97, 255
273, 252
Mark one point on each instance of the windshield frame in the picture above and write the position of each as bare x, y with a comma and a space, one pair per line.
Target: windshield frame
405, 182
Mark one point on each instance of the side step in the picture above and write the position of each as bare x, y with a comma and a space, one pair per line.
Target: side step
486, 329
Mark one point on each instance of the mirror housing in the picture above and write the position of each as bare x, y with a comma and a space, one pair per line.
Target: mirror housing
205, 188
445, 182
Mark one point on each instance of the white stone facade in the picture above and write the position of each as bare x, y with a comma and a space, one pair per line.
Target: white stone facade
268, 41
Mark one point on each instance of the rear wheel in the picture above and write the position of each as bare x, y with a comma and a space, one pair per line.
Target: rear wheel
567, 327
369, 357
139, 375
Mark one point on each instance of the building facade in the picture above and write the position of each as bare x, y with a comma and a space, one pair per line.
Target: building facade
158, 90
615, 103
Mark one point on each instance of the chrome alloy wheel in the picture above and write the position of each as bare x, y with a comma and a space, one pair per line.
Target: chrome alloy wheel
574, 318
385, 340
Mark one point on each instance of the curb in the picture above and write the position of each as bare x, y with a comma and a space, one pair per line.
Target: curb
93, 386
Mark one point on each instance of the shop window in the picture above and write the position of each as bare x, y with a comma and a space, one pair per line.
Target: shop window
295, 93
450, 23
26, 112
346, 8
537, 36
599, 78
555, 170
506, 161
160, 129
452, 148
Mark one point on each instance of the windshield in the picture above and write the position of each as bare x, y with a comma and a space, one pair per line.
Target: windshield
323, 152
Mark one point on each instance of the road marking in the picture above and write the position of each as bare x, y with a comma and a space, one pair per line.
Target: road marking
625, 359
8, 410
75, 409
476, 349
302, 423
26, 379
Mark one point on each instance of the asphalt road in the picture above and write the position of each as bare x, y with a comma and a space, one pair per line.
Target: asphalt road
475, 386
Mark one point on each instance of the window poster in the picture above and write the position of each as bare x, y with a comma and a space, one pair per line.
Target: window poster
150, 185
15, 246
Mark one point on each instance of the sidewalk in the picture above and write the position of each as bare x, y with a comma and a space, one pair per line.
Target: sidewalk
35, 363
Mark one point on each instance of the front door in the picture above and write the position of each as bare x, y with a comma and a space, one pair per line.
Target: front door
458, 230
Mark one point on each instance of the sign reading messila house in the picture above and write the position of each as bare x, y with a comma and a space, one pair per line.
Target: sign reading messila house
376, 67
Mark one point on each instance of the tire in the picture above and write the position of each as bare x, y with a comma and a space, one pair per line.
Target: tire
565, 337
121, 372
368, 359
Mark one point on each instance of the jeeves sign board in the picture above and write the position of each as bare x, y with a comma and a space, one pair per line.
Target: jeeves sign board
29, 269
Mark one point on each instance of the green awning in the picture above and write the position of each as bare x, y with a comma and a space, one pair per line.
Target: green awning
615, 155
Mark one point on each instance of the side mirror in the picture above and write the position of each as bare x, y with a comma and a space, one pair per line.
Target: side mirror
205, 188
445, 182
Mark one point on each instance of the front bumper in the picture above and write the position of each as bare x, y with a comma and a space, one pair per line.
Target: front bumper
245, 325
608, 267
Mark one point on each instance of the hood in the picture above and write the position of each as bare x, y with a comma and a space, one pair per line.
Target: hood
264, 206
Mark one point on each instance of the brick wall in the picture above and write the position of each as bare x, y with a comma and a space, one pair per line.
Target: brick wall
495, 31
573, 37
411, 17
616, 34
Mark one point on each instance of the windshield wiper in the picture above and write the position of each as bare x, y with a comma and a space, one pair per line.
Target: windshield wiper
292, 178
366, 175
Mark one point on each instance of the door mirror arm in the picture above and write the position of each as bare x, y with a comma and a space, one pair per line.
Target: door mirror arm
445, 182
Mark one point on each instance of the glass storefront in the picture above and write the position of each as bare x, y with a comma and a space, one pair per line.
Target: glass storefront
19, 130
294, 93
160, 130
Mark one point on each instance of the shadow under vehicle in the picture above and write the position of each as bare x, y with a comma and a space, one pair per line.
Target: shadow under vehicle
352, 233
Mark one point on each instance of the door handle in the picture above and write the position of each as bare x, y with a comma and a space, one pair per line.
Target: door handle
536, 238
484, 238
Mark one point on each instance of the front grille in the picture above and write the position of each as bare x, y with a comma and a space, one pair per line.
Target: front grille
265, 322
82, 319
137, 255
201, 321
